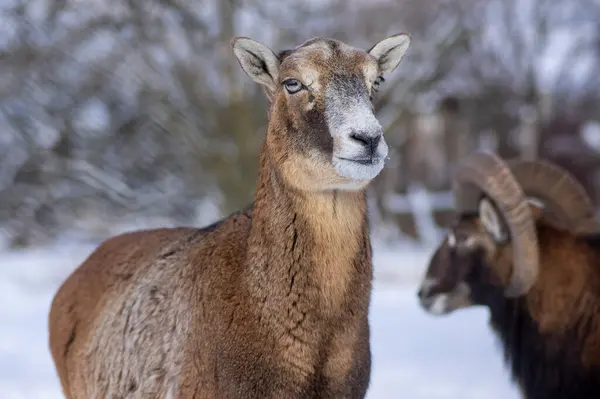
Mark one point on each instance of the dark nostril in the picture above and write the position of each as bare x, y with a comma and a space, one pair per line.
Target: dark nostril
363, 139
374, 141
426, 290
368, 141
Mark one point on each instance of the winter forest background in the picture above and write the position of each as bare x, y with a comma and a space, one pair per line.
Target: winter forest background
124, 114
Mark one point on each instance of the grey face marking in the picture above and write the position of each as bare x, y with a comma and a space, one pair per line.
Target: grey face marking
444, 302
426, 287
439, 304
359, 149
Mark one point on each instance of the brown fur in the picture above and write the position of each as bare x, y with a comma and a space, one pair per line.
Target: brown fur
268, 303
551, 335
568, 282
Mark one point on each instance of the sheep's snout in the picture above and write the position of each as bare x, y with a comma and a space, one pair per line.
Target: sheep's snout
438, 301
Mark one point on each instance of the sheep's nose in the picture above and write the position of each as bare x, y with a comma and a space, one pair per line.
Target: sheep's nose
368, 141
426, 289
424, 300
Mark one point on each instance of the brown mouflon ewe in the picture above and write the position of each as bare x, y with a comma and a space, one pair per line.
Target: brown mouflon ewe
270, 302
525, 245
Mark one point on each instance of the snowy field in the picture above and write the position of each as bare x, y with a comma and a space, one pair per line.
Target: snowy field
415, 356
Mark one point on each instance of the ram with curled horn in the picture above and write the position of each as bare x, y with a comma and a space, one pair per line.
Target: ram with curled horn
524, 244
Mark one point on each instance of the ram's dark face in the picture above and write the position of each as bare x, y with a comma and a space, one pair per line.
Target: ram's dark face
460, 265
495, 250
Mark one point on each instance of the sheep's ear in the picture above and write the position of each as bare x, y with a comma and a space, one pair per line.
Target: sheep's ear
492, 221
389, 52
258, 61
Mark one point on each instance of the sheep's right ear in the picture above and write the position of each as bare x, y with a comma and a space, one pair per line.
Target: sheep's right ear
389, 52
492, 221
258, 61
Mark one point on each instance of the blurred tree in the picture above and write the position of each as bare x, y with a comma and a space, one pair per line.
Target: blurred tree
113, 113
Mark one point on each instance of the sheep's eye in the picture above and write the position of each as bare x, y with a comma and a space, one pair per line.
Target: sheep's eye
375, 86
292, 86
378, 83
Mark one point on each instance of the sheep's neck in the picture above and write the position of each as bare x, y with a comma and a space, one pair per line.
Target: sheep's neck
306, 249
566, 288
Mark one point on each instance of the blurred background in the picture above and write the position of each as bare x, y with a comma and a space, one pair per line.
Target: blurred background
126, 114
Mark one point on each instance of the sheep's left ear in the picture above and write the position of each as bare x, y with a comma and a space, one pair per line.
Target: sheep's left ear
389, 52
491, 221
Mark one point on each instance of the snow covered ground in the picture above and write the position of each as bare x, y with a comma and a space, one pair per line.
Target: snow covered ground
415, 356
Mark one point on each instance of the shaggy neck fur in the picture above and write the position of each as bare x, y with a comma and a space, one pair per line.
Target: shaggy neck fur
551, 337
306, 248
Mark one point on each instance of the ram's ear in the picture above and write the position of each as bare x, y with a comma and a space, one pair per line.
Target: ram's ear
492, 221
389, 52
258, 61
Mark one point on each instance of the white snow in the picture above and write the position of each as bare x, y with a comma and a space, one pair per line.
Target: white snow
415, 355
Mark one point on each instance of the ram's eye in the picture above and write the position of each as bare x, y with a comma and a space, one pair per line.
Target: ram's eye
292, 86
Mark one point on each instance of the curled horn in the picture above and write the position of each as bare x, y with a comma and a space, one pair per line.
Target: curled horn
485, 173
563, 196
